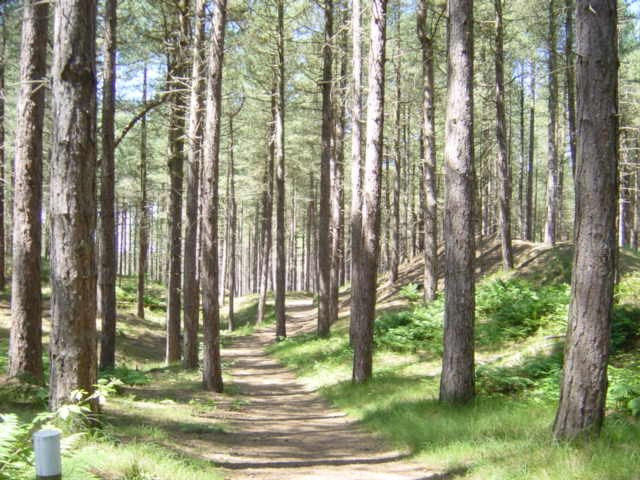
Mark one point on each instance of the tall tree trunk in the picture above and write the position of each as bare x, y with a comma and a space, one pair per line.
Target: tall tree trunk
25, 343
73, 202
212, 371
233, 212
3, 48
521, 187
190, 290
107, 273
337, 168
584, 383
267, 214
552, 169
364, 297
281, 266
504, 169
428, 193
457, 381
327, 304
177, 73
395, 260
356, 147
144, 207
530, 217
570, 79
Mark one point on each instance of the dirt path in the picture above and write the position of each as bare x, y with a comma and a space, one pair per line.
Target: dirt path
284, 431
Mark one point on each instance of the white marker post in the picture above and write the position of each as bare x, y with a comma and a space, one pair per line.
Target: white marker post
46, 444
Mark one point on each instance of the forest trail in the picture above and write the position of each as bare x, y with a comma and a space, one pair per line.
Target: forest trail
285, 431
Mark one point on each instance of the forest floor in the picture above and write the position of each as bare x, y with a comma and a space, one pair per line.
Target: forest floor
285, 430
289, 410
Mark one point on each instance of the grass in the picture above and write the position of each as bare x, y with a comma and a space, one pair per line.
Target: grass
153, 420
506, 432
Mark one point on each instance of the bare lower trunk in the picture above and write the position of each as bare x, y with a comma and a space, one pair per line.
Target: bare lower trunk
281, 267
327, 304
428, 193
584, 383
457, 381
552, 169
356, 154
212, 371
73, 202
190, 290
107, 274
25, 344
364, 295
504, 170
144, 208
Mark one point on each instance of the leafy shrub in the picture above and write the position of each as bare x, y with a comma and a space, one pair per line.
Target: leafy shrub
538, 375
124, 375
414, 330
411, 292
625, 327
624, 390
513, 309
17, 392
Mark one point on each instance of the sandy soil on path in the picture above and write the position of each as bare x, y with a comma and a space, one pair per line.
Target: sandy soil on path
282, 430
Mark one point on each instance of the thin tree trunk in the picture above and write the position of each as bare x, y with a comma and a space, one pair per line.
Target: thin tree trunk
428, 192
281, 260
144, 208
177, 72
530, 173
190, 290
395, 260
504, 169
3, 48
327, 303
212, 371
584, 383
356, 153
570, 79
552, 172
457, 381
73, 202
364, 297
25, 343
233, 211
107, 274
267, 213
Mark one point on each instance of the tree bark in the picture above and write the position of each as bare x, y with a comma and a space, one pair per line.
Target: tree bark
233, 212
73, 202
529, 230
504, 169
327, 303
395, 260
552, 169
356, 152
428, 192
457, 381
190, 290
107, 273
177, 73
25, 343
267, 214
584, 384
212, 371
364, 296
3, 49
144, 208
281, 260
570, 79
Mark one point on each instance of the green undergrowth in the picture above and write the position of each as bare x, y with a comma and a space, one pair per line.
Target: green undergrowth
506, 432
154, 416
